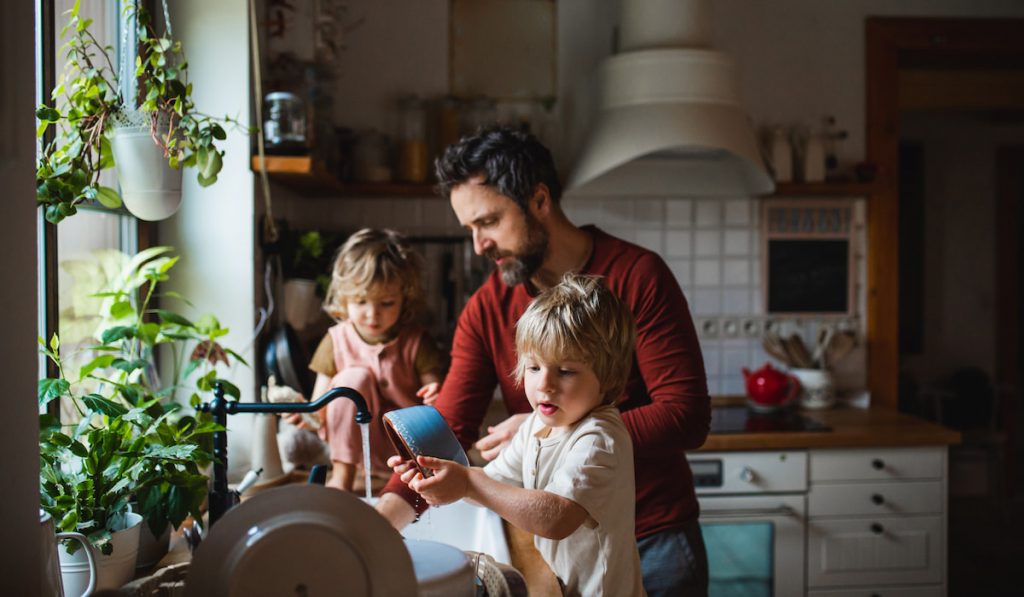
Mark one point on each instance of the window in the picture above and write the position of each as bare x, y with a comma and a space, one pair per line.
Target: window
87, 249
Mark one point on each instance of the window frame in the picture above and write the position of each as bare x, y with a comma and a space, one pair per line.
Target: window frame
134, 235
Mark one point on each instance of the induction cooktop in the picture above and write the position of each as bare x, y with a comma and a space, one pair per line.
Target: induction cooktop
741, 419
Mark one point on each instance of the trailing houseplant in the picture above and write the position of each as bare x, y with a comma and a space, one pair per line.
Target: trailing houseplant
133, 440
89, 107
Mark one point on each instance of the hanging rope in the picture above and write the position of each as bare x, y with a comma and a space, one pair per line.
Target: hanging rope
270, 231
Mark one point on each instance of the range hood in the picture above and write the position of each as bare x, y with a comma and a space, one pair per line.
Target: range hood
670, 119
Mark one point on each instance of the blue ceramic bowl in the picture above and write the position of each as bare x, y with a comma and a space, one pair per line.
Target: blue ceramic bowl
422, 431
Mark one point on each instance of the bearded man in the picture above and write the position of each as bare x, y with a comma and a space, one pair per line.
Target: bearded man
504, 189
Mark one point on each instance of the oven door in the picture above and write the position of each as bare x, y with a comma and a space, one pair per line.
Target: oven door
755, 544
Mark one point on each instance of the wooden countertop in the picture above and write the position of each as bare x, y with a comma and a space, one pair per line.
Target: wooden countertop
851, 428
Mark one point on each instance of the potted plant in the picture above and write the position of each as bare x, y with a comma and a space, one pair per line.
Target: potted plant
307, 261
149, 137
133, 440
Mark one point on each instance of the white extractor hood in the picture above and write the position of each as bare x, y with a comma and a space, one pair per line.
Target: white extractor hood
670, 119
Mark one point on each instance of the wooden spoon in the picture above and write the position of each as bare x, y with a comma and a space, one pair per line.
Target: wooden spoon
797, 349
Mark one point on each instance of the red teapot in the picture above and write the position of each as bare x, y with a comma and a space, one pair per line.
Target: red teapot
770, 389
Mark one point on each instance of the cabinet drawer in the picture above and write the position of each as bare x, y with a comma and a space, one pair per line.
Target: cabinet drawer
876, 464
875, 499
866, 551
929, 591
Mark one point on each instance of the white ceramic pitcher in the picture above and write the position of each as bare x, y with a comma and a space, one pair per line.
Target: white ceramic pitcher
52, 584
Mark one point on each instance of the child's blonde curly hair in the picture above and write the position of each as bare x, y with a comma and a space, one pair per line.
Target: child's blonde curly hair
580, 320
370, 259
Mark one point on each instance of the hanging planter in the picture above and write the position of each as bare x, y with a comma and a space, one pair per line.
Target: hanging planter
99, 128
150, 188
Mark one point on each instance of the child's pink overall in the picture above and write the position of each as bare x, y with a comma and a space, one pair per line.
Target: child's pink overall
385, 375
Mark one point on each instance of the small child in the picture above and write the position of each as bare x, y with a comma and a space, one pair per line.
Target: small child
567, 475
376, 348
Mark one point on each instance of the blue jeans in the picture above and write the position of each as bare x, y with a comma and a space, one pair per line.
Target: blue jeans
674, 562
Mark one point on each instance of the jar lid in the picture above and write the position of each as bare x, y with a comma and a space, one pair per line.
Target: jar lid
277, 96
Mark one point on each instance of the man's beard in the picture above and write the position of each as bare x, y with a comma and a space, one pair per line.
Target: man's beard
517, 269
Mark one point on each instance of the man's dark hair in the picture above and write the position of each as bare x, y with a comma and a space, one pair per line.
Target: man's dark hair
511, 161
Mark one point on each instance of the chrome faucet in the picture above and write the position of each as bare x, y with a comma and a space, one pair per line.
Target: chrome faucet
221, 498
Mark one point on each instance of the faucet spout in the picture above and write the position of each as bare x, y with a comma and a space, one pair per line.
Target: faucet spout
363, 414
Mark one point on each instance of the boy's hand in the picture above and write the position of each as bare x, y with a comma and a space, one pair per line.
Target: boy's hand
276, 393
499, 435
429, 392
449, 483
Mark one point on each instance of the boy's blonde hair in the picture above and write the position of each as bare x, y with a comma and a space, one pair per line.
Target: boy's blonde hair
580, 320
375, 257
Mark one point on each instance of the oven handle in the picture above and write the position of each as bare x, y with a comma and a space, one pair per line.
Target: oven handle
782, 510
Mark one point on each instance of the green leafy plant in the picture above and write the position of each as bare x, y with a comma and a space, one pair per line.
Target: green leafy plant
134, 439
308, 255
87, 102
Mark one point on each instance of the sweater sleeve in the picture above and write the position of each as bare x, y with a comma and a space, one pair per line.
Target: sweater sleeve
467, 389
669, 360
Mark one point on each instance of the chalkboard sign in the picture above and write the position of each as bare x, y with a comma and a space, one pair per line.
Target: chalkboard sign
808, 275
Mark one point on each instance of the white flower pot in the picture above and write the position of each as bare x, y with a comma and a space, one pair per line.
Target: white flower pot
150, 188
151, 547
301, 304
112, 570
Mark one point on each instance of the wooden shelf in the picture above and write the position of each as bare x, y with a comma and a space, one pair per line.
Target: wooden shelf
309, 177
822, 189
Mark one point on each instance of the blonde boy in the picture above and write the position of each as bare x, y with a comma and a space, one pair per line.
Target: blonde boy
567, 476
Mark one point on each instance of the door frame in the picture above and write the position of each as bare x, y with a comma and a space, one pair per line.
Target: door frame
888, 39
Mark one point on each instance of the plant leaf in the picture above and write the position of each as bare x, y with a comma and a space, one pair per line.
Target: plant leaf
99, 404
108, 197
50, 388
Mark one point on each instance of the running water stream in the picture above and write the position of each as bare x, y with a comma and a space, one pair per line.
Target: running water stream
364, 429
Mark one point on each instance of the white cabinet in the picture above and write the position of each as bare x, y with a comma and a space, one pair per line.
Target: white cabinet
877, 522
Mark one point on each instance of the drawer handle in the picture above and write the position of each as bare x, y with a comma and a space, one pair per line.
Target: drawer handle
877, 528
877, 499
877, 464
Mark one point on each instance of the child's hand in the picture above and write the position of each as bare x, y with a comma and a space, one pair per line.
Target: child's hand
400, 466
429, 392
276, 393
449, 483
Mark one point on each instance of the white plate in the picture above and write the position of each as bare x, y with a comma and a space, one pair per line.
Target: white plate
302, 539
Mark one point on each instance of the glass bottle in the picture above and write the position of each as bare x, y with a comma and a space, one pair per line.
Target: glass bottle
412, 141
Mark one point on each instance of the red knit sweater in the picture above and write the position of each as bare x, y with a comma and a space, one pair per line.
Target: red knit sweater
667, 409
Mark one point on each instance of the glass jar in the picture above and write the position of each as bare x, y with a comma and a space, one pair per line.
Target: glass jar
412, 141
284, 127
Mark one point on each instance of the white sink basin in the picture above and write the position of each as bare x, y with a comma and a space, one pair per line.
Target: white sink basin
465, 526
462, 525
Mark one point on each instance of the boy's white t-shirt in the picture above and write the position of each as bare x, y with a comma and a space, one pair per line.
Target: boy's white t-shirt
592, 465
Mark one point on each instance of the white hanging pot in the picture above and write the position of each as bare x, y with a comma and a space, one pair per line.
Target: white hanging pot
150, 188
112, 570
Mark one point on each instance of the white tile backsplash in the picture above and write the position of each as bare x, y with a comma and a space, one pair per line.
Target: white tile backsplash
706, 272
677, 243
706, 301
709, 213
707, 243
737, 212
736, 272
651, 239
649, 213
679, 212
737, 242
681, 269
